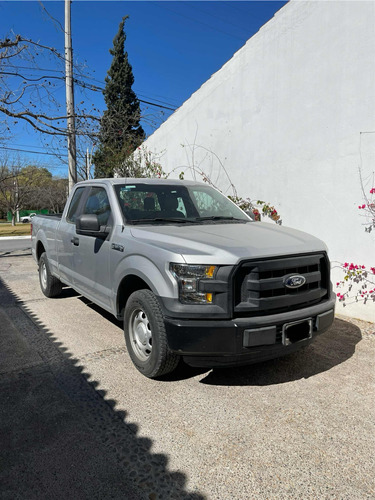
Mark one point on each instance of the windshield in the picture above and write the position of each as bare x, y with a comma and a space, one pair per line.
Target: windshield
167, 203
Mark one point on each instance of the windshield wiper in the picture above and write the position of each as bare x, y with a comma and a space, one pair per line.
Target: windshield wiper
219, 217
196, 220
164, 219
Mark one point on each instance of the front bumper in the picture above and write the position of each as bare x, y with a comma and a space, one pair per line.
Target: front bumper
244, 340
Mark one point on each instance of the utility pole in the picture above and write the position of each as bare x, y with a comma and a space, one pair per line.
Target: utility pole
16, 197
70, 99
88, 164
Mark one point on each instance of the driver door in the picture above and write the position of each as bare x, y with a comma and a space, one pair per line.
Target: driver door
92, 258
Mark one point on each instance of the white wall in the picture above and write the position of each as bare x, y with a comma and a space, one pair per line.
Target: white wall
292, 119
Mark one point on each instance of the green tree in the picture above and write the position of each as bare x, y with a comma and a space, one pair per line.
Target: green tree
120, 130
29, 188
18, 186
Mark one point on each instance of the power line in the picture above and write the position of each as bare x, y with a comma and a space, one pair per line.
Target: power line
87, 77
84, 85
33, 69
26, 146
96, 88
138, 92
6, 148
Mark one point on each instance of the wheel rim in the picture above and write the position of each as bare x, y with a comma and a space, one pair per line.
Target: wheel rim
140, 334
43, 275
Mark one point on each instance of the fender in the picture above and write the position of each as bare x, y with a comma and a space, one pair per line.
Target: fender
143, 268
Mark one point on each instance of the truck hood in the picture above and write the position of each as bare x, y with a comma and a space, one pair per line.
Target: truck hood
228, 243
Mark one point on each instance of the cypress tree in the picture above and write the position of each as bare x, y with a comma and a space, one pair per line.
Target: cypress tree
120, 130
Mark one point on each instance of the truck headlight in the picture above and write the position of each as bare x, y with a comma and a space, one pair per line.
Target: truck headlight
188, 277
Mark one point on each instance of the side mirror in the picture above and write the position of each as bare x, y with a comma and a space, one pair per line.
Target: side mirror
88, 225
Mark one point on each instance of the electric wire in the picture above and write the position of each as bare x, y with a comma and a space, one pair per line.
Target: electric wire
7, 148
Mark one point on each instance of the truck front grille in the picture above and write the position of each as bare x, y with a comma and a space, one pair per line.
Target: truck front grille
259, 286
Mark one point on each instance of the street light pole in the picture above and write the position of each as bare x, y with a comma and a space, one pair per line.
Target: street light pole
71, 133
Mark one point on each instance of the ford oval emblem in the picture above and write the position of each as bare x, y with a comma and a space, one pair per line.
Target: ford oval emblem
295, 281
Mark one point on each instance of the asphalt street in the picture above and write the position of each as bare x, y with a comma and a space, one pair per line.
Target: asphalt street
77, 420
12, 244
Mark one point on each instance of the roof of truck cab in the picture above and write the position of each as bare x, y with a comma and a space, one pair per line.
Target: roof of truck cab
141, 180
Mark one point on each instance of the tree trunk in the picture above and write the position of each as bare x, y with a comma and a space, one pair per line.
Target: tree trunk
13, 219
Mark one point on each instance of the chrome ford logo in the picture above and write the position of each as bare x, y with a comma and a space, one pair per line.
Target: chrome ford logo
295, 281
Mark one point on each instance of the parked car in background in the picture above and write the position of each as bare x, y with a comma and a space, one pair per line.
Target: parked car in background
27, 218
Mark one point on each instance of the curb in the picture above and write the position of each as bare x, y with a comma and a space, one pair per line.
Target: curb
2, 238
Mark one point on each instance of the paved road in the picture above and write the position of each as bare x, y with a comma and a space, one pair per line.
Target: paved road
78, 420
10, 245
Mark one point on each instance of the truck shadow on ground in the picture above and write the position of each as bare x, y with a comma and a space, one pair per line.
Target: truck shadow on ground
330, 349
60, 436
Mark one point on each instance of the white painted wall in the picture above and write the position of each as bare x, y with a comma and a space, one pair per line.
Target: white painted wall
292, 119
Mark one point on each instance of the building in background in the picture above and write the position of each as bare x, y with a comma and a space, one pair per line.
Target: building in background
290, 119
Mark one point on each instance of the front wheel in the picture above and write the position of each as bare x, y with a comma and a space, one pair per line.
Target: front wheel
145, 335
50, 285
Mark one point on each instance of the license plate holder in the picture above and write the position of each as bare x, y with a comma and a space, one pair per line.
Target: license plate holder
297, 331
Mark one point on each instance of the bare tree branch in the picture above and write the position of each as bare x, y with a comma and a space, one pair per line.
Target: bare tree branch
41, 46
5, 55
10, 43
55, 21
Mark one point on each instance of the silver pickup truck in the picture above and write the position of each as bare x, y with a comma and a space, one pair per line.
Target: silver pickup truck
190, 274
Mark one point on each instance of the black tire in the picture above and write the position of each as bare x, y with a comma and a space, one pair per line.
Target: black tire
145, 335
49, 284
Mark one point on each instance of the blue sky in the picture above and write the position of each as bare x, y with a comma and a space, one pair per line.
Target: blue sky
173, 47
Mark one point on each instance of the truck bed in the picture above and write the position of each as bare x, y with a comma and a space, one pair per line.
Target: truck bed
49, 216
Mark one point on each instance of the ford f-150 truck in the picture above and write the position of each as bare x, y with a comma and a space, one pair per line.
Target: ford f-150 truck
189, 272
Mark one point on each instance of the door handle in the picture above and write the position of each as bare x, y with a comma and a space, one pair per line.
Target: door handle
75, 241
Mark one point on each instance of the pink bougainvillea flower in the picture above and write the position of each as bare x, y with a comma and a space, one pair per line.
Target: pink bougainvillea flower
372, 191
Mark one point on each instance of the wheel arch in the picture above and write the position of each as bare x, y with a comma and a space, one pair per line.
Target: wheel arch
128, 285
135, 273
39, 249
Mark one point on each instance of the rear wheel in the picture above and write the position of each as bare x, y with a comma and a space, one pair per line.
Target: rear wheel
145, 335
49, 284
